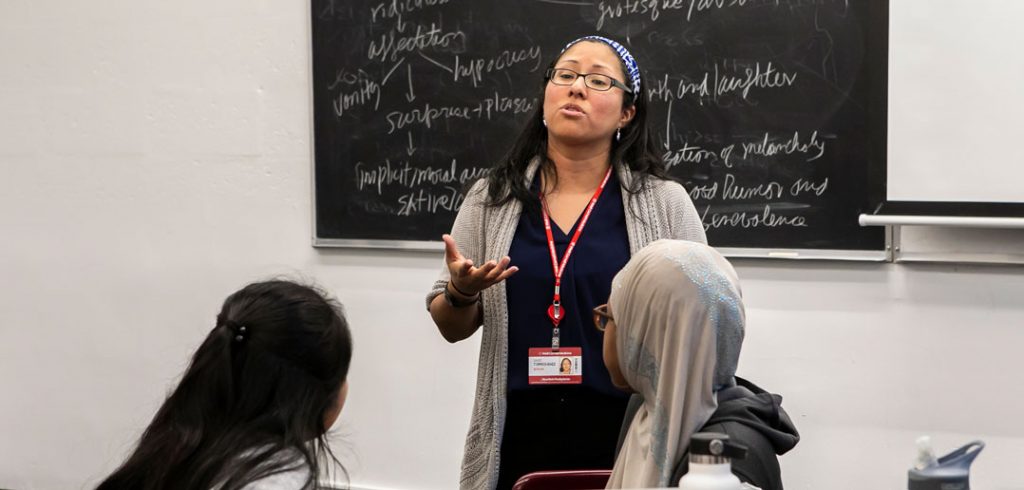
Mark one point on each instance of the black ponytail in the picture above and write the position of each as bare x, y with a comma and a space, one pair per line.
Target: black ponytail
253, 400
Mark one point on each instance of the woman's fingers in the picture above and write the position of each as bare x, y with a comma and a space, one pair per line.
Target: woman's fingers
507, 274
485, 269
498, 269
471, 278
451, 250
466, 267
458, 265
499, 272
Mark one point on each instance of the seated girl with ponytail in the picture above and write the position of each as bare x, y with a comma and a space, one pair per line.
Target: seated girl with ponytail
254, 405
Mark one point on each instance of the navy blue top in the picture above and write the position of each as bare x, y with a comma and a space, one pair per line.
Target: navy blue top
601, 251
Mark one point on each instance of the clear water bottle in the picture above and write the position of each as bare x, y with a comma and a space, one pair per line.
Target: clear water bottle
711, 456
949, 472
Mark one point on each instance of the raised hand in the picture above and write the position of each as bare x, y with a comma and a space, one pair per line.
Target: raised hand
470, 280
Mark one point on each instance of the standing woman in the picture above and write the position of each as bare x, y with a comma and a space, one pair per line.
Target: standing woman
581, 190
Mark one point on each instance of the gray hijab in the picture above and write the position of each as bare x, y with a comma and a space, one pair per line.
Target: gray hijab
679, 327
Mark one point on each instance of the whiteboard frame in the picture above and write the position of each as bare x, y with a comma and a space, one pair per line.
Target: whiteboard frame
900, 256
894, 223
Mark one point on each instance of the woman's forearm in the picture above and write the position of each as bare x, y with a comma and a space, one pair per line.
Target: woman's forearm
455, 323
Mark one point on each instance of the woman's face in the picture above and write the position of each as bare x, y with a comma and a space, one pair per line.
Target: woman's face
611, 354
577, 114
566, 365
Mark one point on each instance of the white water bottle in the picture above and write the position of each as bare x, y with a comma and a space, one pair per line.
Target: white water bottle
711, 456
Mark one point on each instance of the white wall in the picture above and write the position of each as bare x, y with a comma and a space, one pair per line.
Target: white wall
156, 157
955, 106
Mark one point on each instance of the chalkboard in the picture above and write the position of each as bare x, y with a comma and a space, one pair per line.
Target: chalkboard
771, 112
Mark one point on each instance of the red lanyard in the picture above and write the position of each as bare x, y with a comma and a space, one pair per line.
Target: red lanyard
556, 312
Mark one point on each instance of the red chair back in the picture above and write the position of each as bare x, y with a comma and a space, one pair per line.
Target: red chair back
563, 480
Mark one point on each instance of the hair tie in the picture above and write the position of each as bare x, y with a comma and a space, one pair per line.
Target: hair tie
632, 69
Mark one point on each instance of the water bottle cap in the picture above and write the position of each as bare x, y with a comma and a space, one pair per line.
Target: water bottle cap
951, 471
716, 444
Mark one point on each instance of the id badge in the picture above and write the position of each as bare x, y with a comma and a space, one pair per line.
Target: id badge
556, 367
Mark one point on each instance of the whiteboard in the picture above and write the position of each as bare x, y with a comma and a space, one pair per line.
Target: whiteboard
956, 103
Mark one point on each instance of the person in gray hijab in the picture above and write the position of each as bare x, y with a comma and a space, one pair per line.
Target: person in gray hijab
674, 326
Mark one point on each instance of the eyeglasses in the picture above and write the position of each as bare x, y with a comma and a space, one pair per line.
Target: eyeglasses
594, 81
601, 317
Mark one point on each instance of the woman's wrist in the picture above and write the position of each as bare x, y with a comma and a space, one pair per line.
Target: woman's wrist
457, 298
462, 293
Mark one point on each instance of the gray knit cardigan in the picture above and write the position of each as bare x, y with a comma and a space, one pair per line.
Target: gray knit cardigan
662, 209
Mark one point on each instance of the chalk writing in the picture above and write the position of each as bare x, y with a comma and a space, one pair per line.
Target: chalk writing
406, 175
757, 77
802, 186
391, 44
424, 201
812, 147
474, 69
395, 9
704, 192
497, 104
357, 90
680, 38
697, 6
690, 154
652, 9
764, 191
425, 116
766, 218
648, 8
769, 146
729, 190
720, 81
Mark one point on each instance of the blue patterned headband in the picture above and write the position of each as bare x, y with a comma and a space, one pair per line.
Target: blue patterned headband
632, 69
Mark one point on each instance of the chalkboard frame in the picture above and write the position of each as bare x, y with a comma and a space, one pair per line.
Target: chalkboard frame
730, 252
877, 150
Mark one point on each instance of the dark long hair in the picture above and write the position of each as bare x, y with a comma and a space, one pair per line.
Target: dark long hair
253, 400
636, 149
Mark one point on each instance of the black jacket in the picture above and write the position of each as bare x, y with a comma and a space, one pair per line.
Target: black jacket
751, 417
